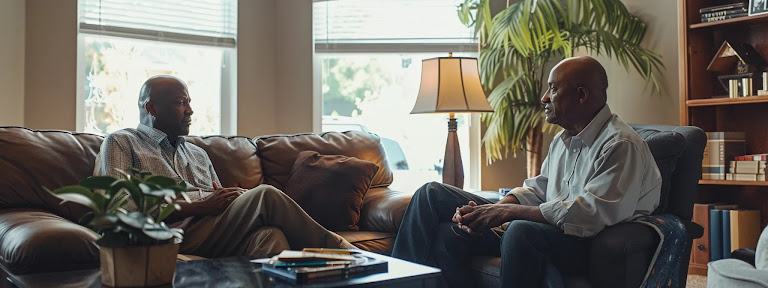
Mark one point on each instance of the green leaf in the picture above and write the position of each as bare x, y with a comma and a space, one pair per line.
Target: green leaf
104, 221
80, 199
98, 182
157, 231
166, 211
135, 219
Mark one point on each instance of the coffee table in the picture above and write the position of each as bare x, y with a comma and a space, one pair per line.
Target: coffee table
240, 272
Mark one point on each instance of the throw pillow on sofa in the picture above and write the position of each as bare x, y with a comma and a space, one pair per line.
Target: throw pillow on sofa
330, 188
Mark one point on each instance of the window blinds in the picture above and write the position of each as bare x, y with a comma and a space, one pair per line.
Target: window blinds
202, 22
377, 26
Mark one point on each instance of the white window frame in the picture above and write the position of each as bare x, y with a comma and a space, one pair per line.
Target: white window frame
228, 89
474, 160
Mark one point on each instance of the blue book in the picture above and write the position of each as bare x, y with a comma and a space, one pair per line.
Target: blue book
726, 233
715, 235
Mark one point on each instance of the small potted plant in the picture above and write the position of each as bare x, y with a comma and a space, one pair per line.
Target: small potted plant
136, 248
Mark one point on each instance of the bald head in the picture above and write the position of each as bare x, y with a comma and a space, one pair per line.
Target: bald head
586, 72
576, 93
164, 104
155, 87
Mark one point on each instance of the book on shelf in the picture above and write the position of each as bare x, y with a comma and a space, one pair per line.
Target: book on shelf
726, 233
721, 146
312, 268
716, 231
745, 229
724, 17
747, 167
752, 157
744, 177
722, 7
724, 12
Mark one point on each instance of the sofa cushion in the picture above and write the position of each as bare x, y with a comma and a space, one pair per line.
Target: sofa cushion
35, 241
376, 242
234, 158
278, 153
666, 147
330, 188
761, 253
32, 159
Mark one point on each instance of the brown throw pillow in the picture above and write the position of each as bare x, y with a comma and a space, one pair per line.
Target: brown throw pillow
330, 188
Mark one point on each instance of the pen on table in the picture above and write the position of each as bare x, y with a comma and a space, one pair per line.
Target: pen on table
311, 264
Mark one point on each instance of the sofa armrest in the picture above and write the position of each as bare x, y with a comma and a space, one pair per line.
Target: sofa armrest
735, 273
383, 209
620, 255
35, 241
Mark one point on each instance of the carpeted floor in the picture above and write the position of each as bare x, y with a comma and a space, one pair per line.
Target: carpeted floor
696, 281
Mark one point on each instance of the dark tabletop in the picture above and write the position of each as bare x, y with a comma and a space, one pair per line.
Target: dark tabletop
241, 272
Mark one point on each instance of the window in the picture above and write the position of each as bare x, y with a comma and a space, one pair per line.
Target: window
124, 42
368, 59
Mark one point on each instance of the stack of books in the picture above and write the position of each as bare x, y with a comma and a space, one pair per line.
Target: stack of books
722, 12
311, 265
747, 168
721, 148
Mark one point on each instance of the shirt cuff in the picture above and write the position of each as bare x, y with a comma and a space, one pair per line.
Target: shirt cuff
524, 196
554, 211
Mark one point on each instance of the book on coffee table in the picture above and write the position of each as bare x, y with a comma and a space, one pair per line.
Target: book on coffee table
323, 267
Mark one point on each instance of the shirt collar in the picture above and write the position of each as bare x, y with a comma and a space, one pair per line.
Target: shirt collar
156, 135
589, 134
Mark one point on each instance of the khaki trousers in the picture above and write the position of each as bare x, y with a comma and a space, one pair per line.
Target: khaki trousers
260, 223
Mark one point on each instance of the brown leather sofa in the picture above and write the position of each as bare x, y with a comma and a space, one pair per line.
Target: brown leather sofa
38, 234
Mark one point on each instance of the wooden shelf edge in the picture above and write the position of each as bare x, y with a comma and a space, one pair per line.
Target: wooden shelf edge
727, 101
697, 269
747, 19
731, 182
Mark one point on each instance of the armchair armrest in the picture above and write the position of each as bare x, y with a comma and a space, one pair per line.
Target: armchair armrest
34, 241
383, 210
620, 255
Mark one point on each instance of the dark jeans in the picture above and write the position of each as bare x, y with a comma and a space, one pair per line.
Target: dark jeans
532, 254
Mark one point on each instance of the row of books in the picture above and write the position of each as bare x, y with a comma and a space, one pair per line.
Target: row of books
727, 228
746, 170
722, 147
322, 264
722, 12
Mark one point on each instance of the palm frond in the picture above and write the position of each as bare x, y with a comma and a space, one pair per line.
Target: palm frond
518, 42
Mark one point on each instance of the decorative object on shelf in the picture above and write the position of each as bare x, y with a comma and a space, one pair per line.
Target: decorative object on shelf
517, 46
757, 7
136, 248
723, 12
740, 62
451, 85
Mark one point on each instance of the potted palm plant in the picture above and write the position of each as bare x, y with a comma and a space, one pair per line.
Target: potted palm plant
519, 42
136, 248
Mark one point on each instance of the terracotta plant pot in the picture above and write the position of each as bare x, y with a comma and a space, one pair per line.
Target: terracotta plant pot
140, 266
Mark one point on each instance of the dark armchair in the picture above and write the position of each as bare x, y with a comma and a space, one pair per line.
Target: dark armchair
621, 254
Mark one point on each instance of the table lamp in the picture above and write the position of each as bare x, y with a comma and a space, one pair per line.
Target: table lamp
451, 85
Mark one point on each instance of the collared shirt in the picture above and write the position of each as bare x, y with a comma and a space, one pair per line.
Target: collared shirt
604, 175
148, 149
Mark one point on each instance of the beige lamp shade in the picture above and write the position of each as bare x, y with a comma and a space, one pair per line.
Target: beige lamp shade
450, 85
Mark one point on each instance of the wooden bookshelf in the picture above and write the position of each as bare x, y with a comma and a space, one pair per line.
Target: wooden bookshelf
703, 102
723, 100
730, 182
763, 18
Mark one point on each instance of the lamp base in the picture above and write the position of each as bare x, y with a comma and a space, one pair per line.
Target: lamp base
453, 168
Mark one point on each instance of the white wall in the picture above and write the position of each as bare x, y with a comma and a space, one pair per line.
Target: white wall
256, 77
628, 95
12, 62
50, 81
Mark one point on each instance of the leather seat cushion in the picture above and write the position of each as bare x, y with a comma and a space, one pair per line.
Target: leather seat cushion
376, 242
